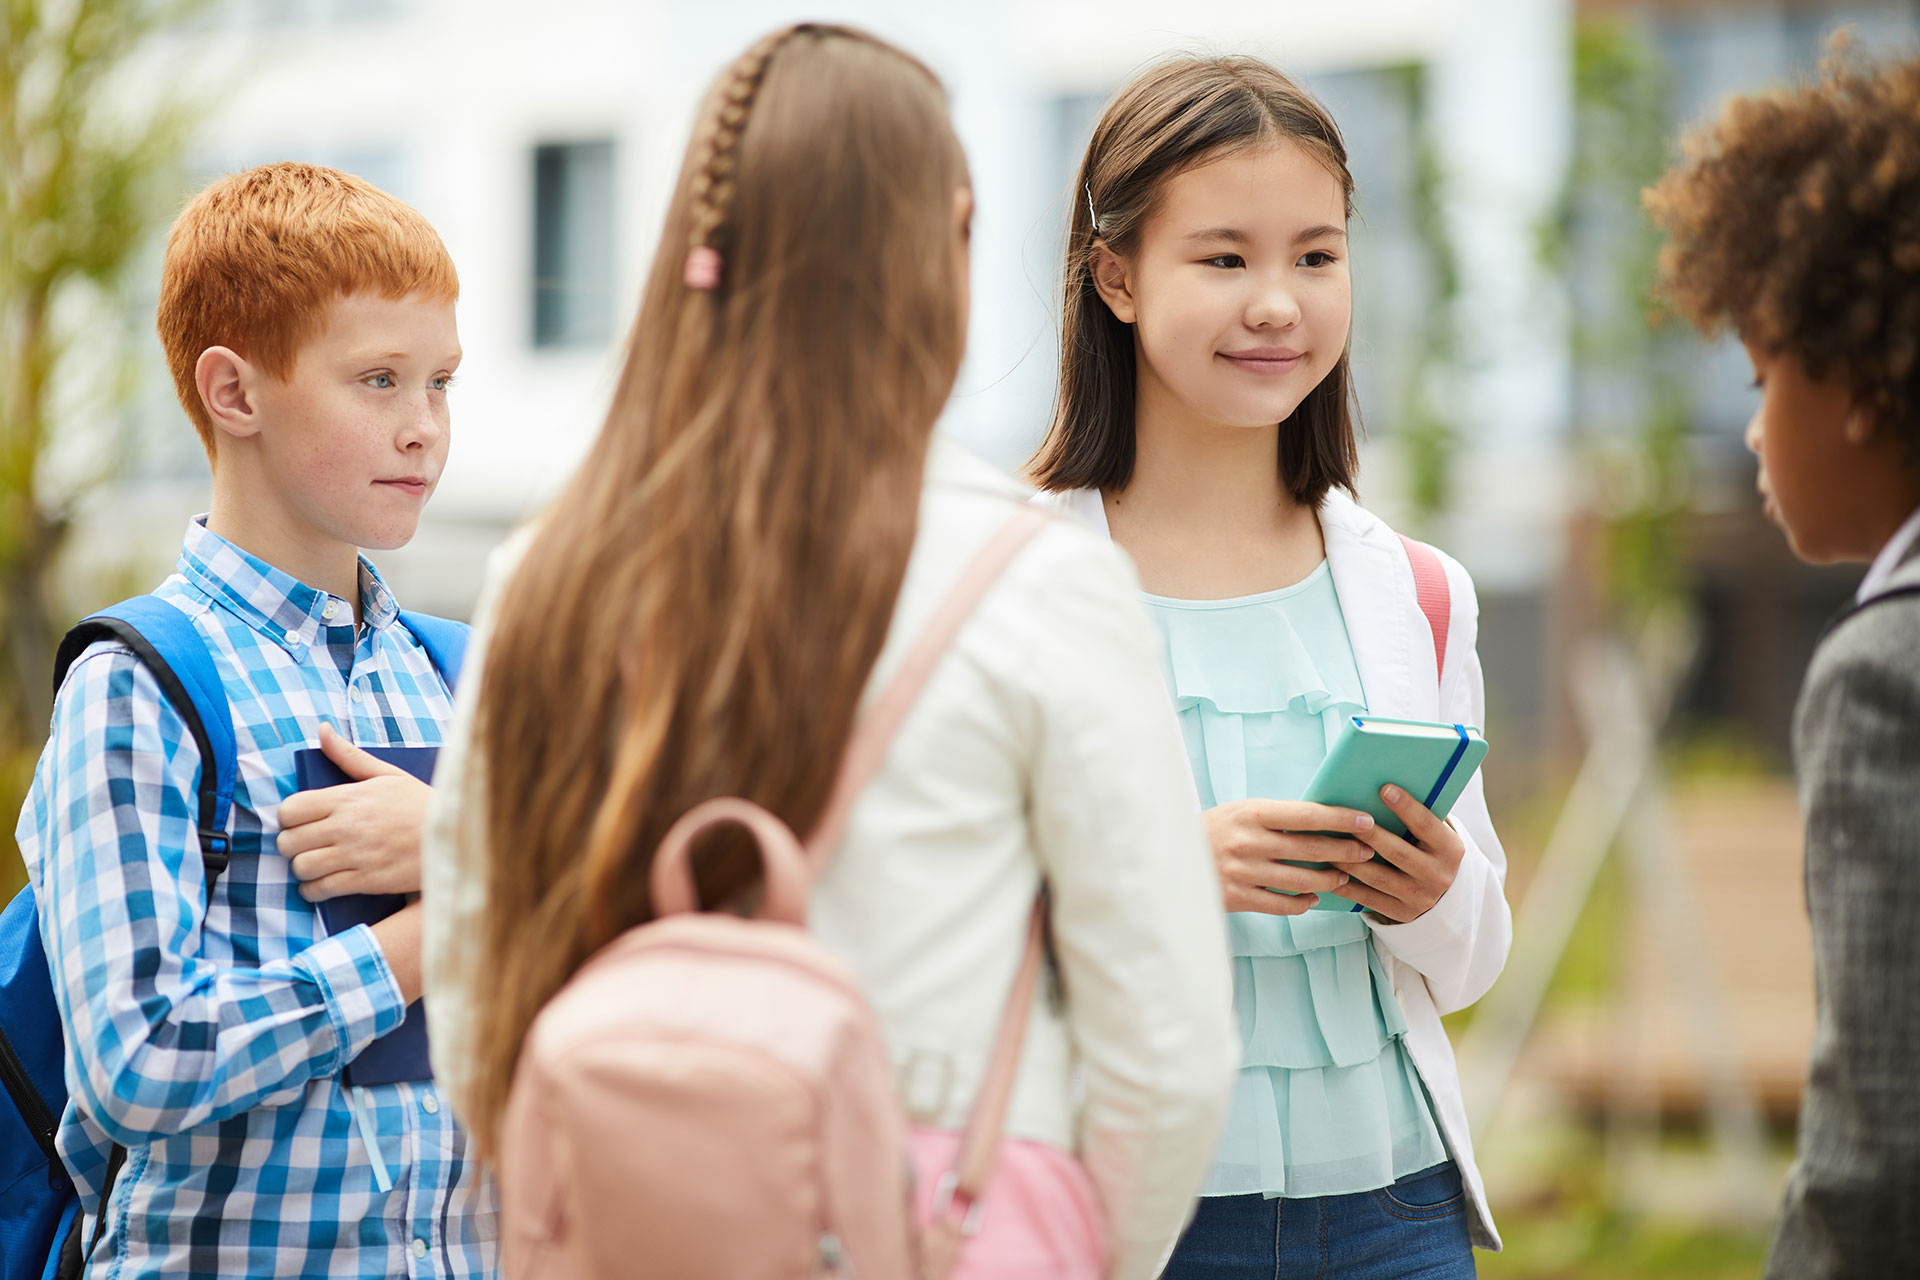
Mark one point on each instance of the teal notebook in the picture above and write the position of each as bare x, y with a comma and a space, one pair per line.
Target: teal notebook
1430, 761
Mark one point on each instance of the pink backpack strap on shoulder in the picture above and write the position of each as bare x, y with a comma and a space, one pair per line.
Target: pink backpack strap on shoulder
960, 1187
1435, 596
873, 734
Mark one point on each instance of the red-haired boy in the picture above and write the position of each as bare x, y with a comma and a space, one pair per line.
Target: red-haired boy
308, 319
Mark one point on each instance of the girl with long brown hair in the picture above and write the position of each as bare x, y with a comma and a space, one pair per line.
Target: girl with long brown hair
1204, 423
761, 527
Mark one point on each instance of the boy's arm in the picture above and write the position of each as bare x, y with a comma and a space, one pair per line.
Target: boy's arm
161, 1039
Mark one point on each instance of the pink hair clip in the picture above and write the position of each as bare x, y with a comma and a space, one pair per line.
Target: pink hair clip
703, 267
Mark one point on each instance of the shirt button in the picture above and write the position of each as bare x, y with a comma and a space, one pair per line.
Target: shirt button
356, 695
419, 1247
331, 611
430, 1105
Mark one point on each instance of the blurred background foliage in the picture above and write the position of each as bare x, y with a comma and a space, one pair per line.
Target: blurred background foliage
1424, 429
89, 167
1641, 473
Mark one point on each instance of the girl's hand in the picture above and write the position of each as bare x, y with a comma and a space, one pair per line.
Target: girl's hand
1416, 873
1251, 837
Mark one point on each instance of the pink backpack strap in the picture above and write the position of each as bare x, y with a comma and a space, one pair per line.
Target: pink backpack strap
960, 1187
957, 1197
1435, 596
867, 749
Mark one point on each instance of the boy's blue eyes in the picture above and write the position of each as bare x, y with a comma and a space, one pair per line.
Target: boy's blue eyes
386, 382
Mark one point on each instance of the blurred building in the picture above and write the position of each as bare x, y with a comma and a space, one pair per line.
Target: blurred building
542, 142
1760, 612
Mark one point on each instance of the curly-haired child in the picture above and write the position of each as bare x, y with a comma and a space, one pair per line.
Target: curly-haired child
1795, 221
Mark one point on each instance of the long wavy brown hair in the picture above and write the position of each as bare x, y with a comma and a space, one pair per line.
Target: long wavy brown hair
701, 606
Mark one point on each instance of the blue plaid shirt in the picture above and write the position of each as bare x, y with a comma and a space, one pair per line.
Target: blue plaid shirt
208, 1039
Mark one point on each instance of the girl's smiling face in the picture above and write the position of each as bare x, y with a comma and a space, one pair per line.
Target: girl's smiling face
1238, 294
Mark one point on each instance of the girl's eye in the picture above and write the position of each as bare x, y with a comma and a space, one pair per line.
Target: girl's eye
442, 382
1318, 258
1226, 261
380, 381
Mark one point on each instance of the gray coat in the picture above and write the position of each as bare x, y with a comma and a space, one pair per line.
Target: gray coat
1852, 1204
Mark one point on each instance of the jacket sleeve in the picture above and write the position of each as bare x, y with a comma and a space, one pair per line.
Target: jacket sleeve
453, 864
161, 1039
1849, 1205
1137, 924
1460, 945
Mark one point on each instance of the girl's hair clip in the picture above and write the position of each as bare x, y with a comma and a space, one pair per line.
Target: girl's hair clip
703, 267
1092, 217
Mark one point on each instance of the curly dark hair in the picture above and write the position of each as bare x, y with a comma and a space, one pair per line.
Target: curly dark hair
1795, 219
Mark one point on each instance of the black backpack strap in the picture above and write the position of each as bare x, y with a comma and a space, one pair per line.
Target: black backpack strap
73, 1260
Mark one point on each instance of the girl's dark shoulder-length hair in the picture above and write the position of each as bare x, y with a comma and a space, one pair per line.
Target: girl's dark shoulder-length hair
1171, 118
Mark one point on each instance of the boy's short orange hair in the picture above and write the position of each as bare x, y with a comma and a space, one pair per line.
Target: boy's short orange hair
257, 258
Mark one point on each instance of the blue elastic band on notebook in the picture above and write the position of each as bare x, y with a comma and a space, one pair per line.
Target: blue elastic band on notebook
1446, 774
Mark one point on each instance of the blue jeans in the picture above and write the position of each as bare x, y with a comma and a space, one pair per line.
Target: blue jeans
1415, 1229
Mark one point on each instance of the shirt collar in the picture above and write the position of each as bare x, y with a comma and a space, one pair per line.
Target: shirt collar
272, 601
952, 465
1881, 570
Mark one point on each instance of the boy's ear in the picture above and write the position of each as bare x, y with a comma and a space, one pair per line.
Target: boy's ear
226, 382
1114, 283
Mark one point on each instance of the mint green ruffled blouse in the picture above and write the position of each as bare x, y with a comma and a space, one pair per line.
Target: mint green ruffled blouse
1327, 1101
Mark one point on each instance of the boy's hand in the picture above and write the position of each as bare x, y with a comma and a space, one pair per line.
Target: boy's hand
361, 837
1250, 839
399, 939
1415, 874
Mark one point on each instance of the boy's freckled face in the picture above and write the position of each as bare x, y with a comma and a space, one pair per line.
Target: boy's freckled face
1807, 477
355, 438
1241, 286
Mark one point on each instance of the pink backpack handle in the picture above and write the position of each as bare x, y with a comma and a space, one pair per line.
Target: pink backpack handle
787, 878
1435, 596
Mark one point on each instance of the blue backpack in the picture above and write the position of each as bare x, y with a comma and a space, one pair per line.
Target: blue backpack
38, 1203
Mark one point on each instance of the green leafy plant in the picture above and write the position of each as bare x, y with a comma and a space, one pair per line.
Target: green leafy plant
1428, 437
89, 163
1633, 417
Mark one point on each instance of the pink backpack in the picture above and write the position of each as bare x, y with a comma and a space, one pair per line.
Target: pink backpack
711, 1096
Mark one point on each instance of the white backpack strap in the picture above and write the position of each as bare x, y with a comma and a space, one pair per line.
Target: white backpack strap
874, 733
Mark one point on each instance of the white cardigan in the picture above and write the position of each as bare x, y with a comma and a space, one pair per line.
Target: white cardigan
1449, 957
1041, 746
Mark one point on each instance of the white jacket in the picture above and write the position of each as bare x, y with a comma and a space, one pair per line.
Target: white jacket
1041, 747
1449, 957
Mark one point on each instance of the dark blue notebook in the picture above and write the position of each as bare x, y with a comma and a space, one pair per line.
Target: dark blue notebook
401, 1054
